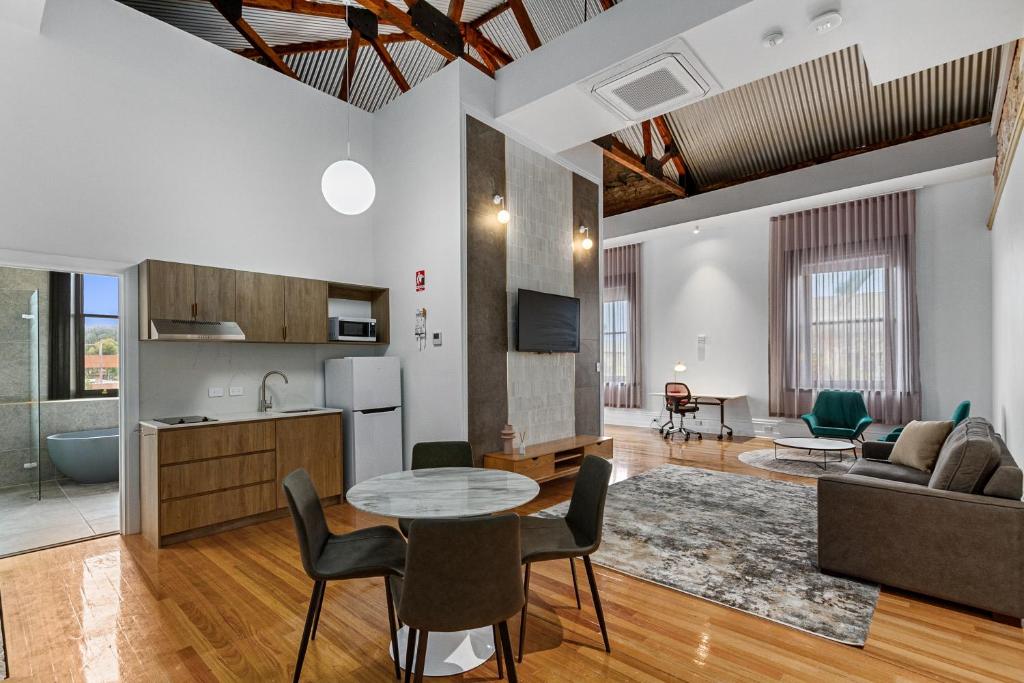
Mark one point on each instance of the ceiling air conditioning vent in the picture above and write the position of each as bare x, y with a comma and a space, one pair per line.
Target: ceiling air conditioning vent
659, 85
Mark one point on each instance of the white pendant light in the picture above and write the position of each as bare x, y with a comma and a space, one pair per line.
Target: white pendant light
347, 186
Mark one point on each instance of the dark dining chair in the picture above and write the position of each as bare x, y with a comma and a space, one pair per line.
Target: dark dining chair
430, 454
578, 534
374, 551
460, 574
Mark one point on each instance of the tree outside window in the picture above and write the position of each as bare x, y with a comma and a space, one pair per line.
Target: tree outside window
96, 329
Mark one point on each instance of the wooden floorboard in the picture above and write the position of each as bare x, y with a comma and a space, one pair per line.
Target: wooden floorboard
231, 607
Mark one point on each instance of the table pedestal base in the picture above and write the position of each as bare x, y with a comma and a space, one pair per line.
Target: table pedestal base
451, 653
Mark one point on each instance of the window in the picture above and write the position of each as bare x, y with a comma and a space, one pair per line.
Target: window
616, 341
96, 345
846, 312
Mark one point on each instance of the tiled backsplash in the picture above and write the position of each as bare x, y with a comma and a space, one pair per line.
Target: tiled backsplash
541, 387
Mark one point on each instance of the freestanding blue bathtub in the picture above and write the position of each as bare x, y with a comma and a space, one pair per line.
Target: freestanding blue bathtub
88, 457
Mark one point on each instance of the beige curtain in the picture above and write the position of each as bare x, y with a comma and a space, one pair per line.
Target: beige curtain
622, 365
844, 307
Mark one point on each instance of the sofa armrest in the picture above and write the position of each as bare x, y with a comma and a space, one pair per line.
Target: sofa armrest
811, 420
876, 450
956, 546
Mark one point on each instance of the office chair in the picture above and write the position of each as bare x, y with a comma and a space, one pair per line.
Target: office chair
679, 401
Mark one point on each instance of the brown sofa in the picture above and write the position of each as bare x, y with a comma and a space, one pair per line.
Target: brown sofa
956, 533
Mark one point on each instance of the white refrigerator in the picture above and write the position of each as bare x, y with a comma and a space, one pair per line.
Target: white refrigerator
369, 391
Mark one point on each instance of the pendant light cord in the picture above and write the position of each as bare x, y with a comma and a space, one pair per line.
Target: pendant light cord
348, 95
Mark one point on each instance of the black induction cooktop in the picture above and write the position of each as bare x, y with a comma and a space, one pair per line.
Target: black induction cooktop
184, 419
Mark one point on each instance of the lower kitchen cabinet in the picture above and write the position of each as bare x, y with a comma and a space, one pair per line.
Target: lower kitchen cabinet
202, 479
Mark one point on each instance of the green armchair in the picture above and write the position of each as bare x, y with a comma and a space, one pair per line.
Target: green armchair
838, 414
960, 413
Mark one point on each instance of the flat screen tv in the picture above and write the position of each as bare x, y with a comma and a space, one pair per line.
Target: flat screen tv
547, 323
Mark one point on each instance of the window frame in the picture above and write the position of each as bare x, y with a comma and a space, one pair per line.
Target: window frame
78, 319
619, 334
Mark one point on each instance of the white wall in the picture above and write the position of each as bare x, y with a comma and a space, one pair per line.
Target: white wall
418, 225
1008, 310
716, 283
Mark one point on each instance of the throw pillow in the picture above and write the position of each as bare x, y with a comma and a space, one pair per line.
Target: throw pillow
919, 443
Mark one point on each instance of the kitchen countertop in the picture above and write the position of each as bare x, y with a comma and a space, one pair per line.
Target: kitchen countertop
230, 418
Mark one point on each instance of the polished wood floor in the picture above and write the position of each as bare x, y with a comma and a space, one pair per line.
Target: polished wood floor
231, 607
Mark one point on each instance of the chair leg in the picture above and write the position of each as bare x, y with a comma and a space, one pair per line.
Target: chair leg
506, 647
391, 628
522, 618
597, 602
319, 607
410, 648
575, 585
421, 656
498, 652
314, 600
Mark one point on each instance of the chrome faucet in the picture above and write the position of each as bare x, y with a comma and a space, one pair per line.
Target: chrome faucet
265, 402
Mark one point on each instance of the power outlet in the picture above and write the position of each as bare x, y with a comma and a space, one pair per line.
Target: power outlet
236, 391
216, 392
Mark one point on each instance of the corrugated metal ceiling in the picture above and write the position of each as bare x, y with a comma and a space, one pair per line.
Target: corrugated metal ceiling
374, 87
818, 109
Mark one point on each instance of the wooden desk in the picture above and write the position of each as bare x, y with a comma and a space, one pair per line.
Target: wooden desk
710, 400
551, 459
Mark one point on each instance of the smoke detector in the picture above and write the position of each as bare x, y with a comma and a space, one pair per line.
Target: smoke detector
666, 81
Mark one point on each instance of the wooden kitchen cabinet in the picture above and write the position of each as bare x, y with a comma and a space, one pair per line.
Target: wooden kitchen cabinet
202, 479
313, 443
305, 310
259, 306
167, 291
215, 294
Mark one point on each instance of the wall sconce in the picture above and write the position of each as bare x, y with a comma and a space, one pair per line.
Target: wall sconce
696, 229
680, 367
587, 243
503, 215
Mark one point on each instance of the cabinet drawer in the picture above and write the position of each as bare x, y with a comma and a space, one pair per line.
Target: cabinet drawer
185, 514
536, 468
199, 443
191, 478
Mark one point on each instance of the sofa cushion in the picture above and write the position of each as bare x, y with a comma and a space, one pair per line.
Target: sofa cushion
1007, 481
890, 471
919, 443
968, 458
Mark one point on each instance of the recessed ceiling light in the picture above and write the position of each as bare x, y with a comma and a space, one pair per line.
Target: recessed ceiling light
823, 23
773, 39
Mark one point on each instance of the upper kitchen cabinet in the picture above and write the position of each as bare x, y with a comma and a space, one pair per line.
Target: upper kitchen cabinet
215, 293
180, 291
167, 291
260, 306
305, 310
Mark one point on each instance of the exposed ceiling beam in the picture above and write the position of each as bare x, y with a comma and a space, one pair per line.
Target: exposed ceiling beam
487, 49
455, 10
607, 4
306, 7
429, 37
525, 24
490, 14
645, 128
322, 45
232, 11
389, 64
614, 149
665, 133
351, 55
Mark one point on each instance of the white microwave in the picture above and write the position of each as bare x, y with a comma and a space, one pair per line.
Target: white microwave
352, 329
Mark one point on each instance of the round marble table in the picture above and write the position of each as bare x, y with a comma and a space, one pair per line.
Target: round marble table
436, 493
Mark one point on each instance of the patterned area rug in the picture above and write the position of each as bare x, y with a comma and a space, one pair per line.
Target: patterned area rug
797, 462
744, 542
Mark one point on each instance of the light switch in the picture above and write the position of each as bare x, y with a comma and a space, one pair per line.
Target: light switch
236, 391
216, 392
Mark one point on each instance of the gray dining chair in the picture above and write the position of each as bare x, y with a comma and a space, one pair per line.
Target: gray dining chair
374, 551
431, 454
460, 574
578, 534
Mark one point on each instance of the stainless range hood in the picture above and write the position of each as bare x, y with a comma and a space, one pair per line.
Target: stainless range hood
195, 330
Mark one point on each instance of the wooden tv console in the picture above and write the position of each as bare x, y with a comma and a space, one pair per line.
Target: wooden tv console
551, 459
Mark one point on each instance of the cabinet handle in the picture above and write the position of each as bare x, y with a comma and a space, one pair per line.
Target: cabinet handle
284, 333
